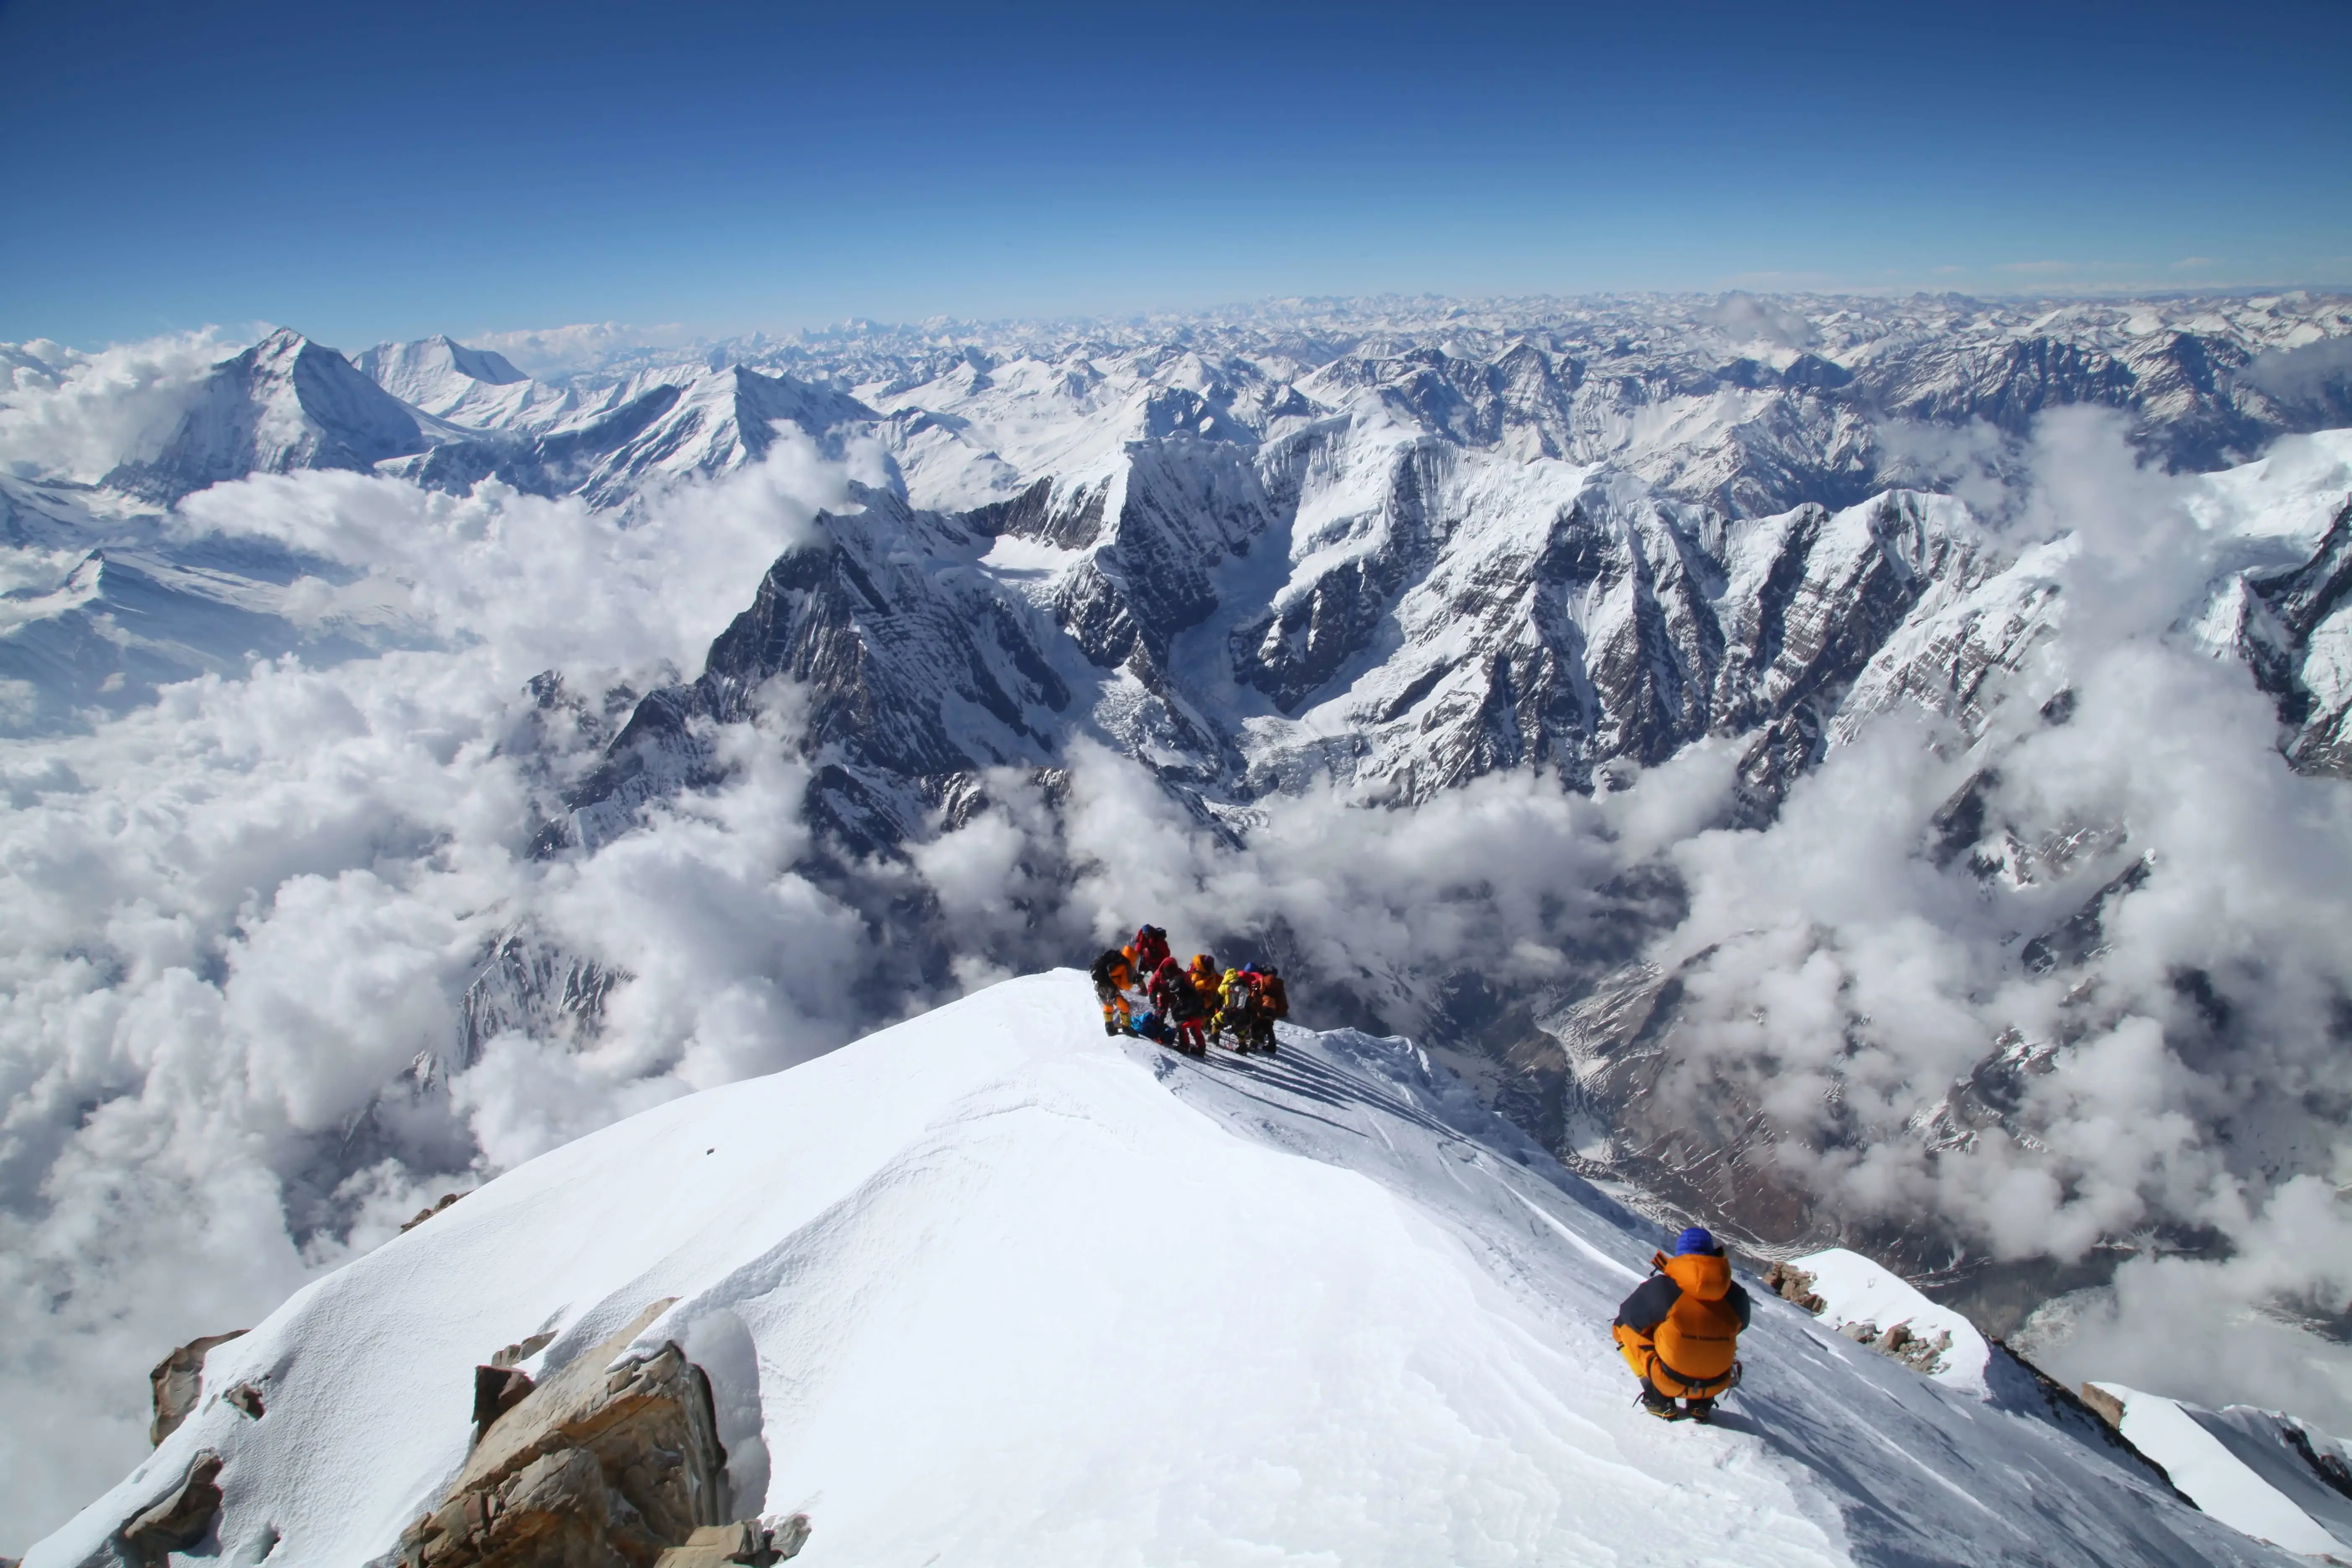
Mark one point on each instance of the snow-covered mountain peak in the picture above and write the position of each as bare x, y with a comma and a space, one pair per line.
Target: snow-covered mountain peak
988, 1287
285, 404
430, 371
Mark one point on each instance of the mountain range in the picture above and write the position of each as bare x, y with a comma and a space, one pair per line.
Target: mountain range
1385, 549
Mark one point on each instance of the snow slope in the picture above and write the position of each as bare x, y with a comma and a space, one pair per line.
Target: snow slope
1854, 1291
1002, 1290
2254, 1470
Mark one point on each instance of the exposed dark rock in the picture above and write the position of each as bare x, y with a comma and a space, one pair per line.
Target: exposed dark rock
246, 1400
2293, 606
1792, 1284
177, 1381
497, 1390
2332, 1471
747, 1541
2079, 938
527, 985
1959, 822
182, 1520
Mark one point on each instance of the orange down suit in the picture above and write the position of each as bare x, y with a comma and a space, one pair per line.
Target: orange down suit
1680, 1332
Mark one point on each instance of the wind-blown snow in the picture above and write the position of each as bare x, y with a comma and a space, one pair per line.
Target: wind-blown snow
1019, 1294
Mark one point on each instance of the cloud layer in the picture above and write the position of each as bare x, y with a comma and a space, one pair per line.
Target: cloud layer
232, 922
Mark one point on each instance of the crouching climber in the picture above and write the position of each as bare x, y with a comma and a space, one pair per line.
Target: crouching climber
1113, 978
1680, 1329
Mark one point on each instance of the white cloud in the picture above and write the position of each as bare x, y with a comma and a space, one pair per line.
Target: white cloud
76, 415
554, 351
229, 920
2189, 1069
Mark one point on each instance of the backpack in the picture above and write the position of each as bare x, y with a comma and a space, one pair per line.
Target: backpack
1271, 995
1111, 959
1240, 994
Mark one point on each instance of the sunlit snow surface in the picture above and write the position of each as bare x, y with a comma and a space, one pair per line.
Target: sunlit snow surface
1853, 1289
1024, 1294
2239, 1466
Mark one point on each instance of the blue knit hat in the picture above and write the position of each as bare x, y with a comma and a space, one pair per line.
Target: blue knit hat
1695, 1239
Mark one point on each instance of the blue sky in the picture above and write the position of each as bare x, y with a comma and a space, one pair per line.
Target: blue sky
372, 170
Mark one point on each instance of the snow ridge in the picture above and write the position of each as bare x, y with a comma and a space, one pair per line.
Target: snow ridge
1015, 1293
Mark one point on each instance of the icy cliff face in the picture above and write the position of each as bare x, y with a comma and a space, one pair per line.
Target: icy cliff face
988, 1287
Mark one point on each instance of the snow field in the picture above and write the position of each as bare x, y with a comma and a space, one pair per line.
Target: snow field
991, 1288
2232, 1464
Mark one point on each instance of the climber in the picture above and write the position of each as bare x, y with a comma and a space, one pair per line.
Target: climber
1147, 951
1178, 1004
1237, 1009
1113, 975
1205, 978
1273, 1005
1679, 1329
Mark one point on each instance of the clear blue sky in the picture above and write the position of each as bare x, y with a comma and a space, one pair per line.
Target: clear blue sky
368, 170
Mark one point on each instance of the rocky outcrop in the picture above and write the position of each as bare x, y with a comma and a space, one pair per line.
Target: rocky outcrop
2293, 629
908, 676
182, 1520
600, 1465
425, 1214
1922, 1354
178, 1382
529, 986
2108, 1407
749, 1542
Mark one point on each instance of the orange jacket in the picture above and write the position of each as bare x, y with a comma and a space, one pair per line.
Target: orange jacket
1114, 971
1682, 1327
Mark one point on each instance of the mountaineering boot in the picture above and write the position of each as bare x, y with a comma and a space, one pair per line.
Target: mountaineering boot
1109, 1027
1699, 1410
1659, 1405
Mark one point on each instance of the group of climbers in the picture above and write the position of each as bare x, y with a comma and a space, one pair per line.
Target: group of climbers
1188, 1006
1679, 1331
